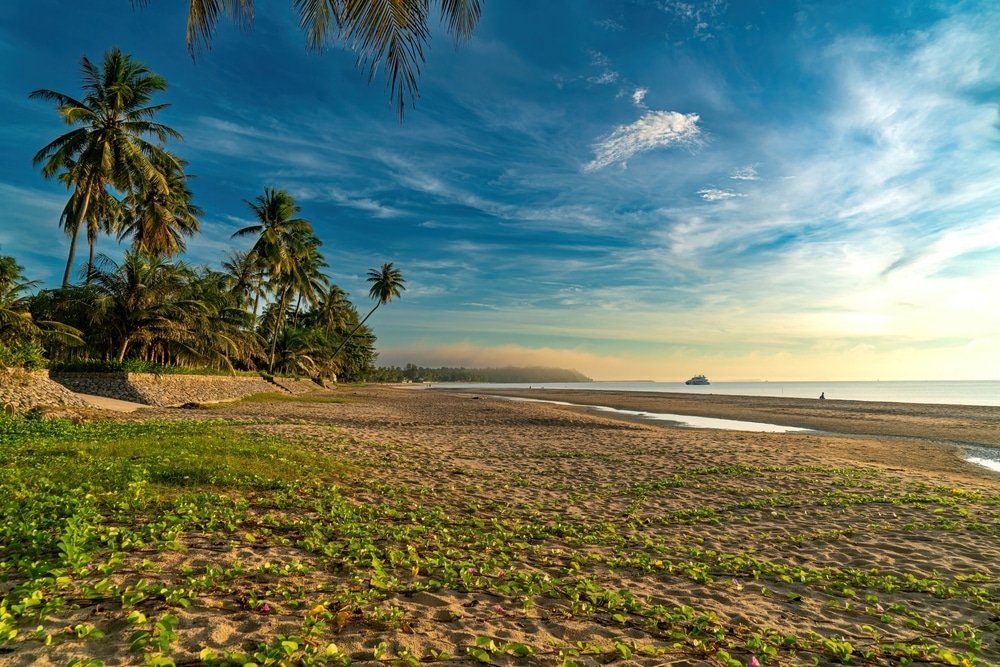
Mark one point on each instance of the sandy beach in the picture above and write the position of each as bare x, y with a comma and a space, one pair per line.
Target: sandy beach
501, 532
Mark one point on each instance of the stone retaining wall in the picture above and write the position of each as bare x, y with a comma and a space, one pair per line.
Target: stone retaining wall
171, 390
22, 390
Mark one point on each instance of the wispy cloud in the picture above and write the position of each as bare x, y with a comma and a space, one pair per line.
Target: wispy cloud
368, 205
715, 194
638, 95
604, 78
607, 75
656, 129
748, 173
610, 25
702, 17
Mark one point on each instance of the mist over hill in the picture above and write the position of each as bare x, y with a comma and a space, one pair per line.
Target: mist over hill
415, 373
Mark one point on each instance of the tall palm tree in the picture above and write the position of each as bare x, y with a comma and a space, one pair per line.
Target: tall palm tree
276, 227
387, 284
282, 242
109, 145
158, 220
389, 34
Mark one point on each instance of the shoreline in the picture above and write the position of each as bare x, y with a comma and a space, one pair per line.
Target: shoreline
958, 424
971, 432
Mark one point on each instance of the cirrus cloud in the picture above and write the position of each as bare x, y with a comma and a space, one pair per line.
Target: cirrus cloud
716, 194
748, 173
656, 129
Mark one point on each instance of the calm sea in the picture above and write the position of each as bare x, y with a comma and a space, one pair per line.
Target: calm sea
947, 392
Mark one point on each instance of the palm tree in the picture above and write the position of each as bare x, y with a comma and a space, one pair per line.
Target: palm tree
276, 226
384, 33
332, 312
19, 328
158, 220
143, 301
16, 323
224, 329
104, 215
387, 284
108, 145
283, 242
244, 275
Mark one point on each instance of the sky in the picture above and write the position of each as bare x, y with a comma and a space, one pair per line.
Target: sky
637, 189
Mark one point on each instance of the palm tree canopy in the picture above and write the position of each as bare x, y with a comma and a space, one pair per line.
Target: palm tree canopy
385, 34
157, 221
387, 283
111, 123
114, 141
276, 230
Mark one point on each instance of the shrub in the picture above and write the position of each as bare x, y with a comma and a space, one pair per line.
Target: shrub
29, 355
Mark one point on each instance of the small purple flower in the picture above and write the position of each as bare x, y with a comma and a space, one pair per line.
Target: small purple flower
879, 608
754, 662
472, 570
498, 609
265, 608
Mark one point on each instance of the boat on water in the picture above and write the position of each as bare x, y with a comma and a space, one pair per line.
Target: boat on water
698, 379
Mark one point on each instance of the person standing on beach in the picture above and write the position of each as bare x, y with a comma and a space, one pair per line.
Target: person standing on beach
822, 395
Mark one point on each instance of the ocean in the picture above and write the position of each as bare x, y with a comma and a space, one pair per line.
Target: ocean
971, 392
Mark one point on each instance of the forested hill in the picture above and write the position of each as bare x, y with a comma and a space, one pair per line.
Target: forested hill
416, 373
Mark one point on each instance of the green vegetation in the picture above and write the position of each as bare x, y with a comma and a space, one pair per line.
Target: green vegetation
271, 308
416, 373
143, 521
139, 366
114, 143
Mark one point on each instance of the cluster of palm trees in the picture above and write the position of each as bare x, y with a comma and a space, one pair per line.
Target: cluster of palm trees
271, 307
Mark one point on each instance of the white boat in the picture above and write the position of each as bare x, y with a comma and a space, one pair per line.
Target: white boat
698, 379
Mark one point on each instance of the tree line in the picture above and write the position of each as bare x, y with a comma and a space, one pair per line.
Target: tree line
414, 373
269, 308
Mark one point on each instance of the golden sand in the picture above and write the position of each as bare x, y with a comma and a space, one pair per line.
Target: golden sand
878, 538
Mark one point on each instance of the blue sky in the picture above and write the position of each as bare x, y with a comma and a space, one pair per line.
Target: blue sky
637, 189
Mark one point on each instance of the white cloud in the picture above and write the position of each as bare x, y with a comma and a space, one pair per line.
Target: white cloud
604, 78
366, 204
748, 173
610, 25
715, 194
598, 59
638, 95
656, 129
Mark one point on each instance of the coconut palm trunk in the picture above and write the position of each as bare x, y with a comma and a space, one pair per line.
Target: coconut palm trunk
278, 319
354, 330
74, 234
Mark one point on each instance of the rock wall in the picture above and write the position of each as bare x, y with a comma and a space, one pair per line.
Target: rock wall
171, 390
22, 390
